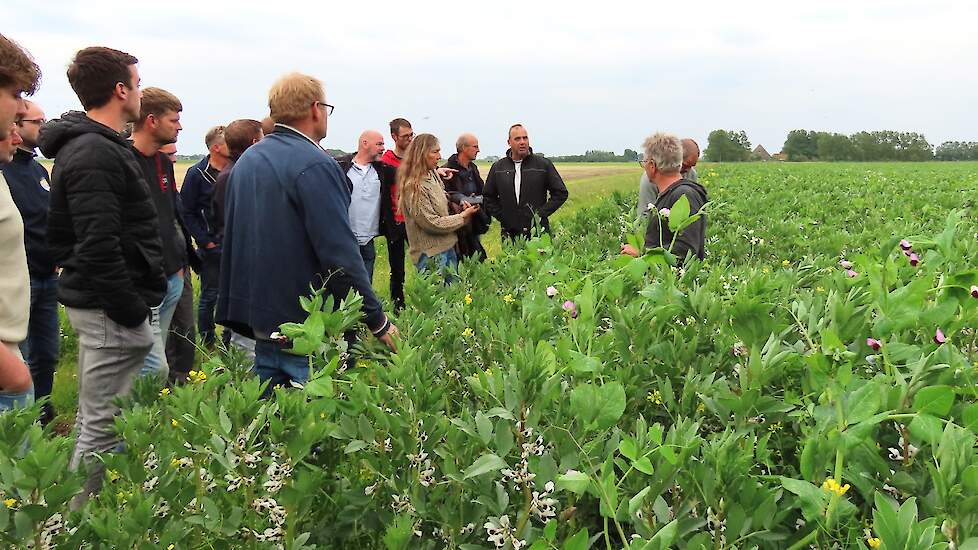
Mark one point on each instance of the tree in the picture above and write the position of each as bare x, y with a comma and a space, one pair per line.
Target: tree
834, 147
630, 155
727, 146
957, 150
801, 145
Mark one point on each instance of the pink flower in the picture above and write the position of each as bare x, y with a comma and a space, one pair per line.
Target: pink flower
551, 291
939, 337
873, 343
846, 264
664, 212
571, 308
850, 273
974, 291
914, 259
905, 244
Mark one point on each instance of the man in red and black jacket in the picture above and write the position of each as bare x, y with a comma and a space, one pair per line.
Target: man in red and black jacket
402, 134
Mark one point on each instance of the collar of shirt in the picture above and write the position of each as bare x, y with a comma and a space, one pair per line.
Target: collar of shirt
309, 139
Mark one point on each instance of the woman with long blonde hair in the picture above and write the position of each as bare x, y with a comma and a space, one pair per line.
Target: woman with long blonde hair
430, 228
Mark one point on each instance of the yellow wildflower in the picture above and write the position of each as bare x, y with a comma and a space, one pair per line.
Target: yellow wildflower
165, 391
775, 428
765, 270
655, 396
819, 289
197, 376
508, 299
488, 372
874, 542
10, 502
701, 408
112, 474
468, 332
785, 263
468, 299
174, 423
832, 486
171, 547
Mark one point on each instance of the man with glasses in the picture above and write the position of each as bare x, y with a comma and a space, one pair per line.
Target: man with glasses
287, 227
647, 192
402, 134
30, 187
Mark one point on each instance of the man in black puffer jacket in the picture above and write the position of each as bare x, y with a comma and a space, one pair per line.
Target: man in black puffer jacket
103, 232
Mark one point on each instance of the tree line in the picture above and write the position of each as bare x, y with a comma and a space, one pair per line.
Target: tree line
806, 145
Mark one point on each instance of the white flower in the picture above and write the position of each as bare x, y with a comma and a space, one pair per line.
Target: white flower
542, 505
551, 291
664, 212
151, 483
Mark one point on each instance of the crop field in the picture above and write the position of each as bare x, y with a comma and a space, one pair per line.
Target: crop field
811, 384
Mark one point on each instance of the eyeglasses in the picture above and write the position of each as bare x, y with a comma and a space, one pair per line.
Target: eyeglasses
407, 136
643, 163
38, 121
326, 107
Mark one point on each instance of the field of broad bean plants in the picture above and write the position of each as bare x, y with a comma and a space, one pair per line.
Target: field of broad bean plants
812, 384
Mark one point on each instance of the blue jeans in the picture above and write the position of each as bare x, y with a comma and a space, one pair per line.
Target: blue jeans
155, 363
278, 366
445, 262
369, 254
210, 280
43, 343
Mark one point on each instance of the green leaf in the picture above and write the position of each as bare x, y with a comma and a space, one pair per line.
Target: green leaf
863, 403
636, 501
679, 213
665, 537
484, 426
936, 400
573, 481
644, 465
927, 428
399, 533
578, 541
970, 417
598, 407
550, 530
627, 448
485, 464
811, 498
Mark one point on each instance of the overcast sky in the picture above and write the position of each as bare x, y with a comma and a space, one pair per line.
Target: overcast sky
595, 75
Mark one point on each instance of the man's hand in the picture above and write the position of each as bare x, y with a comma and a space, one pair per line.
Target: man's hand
629, 250
211, 245
389, 336
446, 173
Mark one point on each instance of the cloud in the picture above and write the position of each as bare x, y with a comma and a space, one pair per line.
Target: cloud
580, 75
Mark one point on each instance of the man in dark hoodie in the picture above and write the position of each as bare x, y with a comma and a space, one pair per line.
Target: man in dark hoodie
663, 163
104, 233
30, 187
466, 185
197, 194
159, 125
518, 185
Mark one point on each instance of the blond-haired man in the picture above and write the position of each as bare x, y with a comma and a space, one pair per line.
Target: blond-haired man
287, 226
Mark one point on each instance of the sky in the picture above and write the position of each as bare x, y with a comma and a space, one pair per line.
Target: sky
578, 75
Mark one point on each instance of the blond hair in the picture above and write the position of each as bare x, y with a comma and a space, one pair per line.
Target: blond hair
665, 150
292, 95
413, 171
214, 136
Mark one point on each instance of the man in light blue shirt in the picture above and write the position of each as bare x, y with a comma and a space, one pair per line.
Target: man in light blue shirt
366, 194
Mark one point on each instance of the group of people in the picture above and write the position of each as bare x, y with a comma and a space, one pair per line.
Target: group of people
267, 216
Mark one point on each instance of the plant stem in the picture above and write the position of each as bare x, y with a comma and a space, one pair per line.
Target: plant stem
805, 541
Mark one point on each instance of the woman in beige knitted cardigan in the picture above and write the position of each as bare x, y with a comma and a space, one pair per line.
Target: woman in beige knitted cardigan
430, 228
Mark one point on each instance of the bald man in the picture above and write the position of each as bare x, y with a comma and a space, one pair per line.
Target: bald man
370, 180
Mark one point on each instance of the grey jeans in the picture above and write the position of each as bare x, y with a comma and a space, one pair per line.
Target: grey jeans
109, 356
